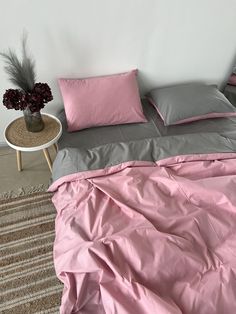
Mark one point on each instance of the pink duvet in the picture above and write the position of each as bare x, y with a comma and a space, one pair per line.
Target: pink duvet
148, 238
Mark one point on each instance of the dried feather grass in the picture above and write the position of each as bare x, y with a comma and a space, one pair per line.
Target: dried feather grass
20, 73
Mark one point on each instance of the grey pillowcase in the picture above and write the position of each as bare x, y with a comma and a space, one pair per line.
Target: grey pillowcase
189, 102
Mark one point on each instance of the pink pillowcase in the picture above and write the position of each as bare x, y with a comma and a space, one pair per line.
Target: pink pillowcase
104, 100
232, 79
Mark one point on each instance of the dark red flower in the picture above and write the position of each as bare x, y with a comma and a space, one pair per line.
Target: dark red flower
44, 91
35, 100
12, 99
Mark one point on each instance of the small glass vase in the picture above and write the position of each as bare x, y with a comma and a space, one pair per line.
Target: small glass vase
33, 121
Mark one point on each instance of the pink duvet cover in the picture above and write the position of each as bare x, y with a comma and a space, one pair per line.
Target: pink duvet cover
148, 238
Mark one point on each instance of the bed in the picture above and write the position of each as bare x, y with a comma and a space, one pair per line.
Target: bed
146, 217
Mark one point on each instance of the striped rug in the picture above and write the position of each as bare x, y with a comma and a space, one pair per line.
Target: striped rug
28, 283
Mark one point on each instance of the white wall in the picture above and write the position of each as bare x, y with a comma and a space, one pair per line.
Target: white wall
169, 41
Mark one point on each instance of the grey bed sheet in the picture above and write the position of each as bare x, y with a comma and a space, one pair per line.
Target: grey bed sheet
102, 147
94, 137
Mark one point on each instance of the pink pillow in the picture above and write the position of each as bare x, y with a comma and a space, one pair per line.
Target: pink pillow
232, 79
104, 100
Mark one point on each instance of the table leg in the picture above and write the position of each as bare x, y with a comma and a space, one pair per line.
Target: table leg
56, 148
19, 160
48, 158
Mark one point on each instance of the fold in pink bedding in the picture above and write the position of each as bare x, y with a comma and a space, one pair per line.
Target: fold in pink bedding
149, 239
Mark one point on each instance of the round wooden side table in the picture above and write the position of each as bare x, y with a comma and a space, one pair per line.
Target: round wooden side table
17, 137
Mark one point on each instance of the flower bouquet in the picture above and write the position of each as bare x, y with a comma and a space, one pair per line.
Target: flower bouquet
30, 97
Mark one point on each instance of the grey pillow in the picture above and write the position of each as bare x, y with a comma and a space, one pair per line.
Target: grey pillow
189, 102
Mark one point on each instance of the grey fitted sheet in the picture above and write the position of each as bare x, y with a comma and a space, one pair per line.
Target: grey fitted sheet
103, 147
94, 137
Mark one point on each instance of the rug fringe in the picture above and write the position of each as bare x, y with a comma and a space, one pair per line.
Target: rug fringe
23, 191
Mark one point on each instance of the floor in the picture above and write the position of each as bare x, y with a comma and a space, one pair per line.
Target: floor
34, 176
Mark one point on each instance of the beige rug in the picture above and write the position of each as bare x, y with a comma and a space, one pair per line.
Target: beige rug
28, 283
